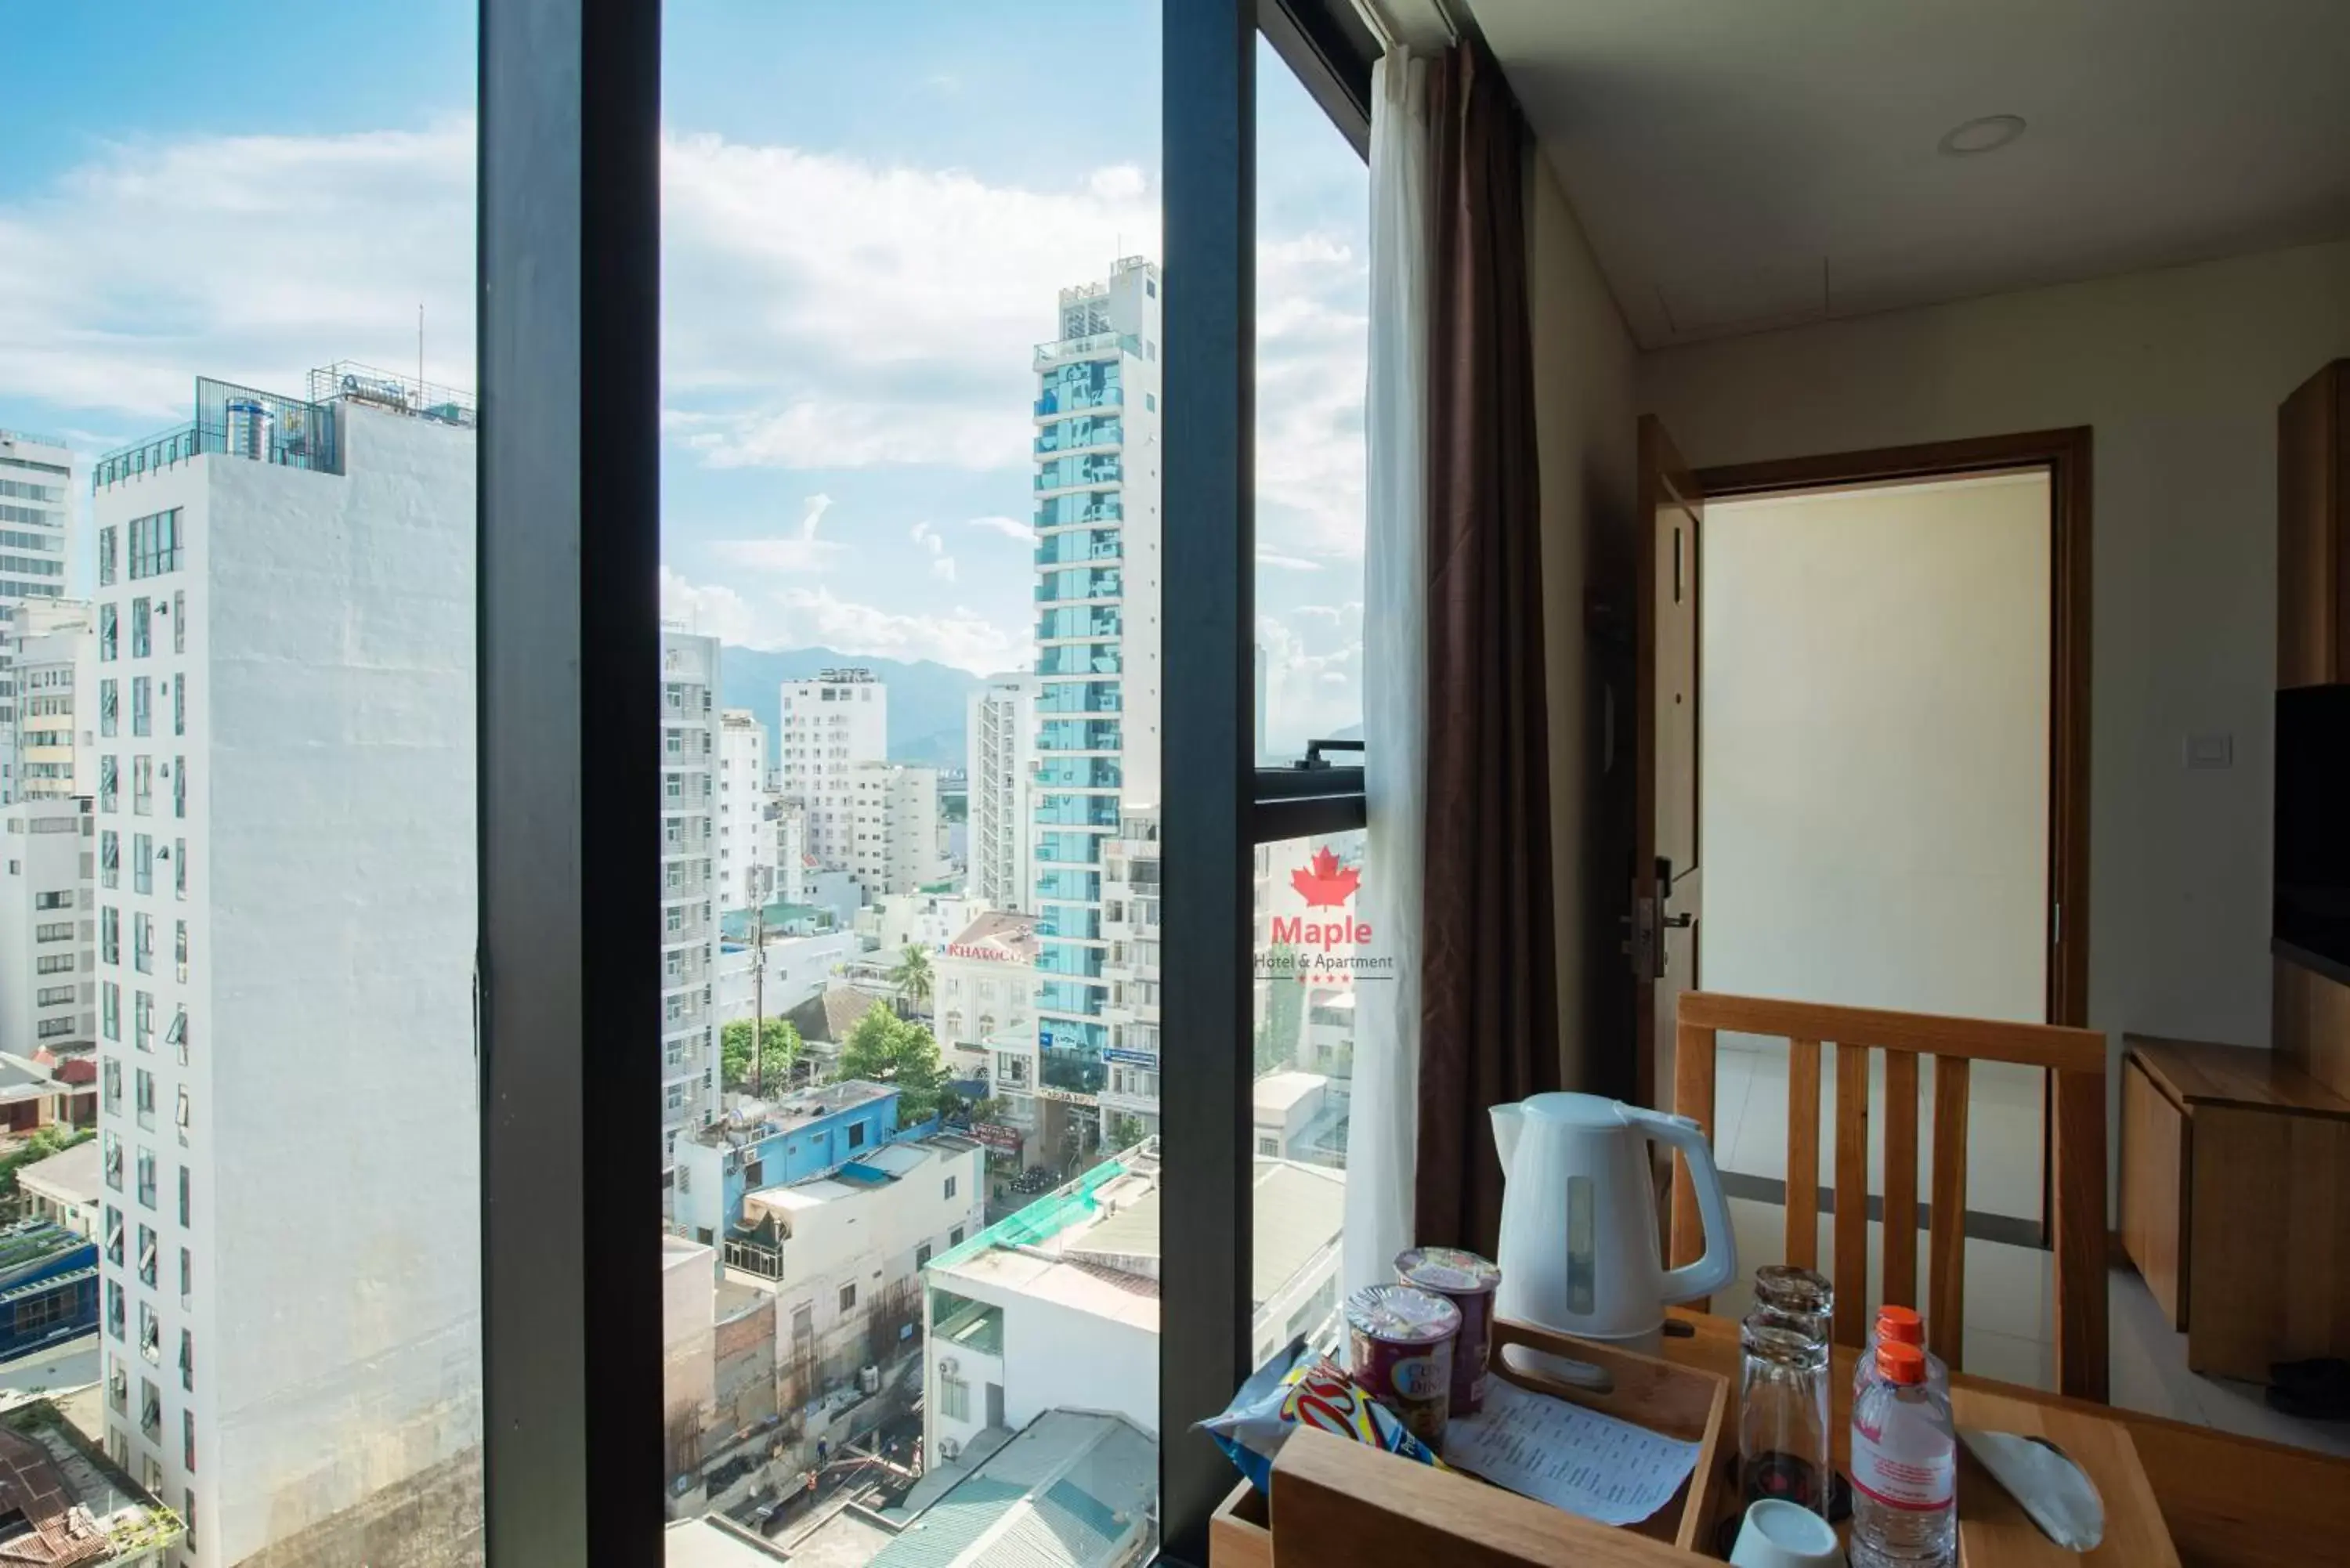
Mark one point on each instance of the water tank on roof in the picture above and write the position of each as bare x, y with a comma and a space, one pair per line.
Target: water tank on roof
248, 428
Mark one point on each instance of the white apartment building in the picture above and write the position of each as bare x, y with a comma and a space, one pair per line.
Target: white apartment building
1131, 925
1058, 1306
1000, 730
746, 837
54, 640
36, 481
895, 845
829, 725
846, 1247
690, 929
48, 989
285, 608
791, 858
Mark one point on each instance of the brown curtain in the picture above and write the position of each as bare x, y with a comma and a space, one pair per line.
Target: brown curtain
1489, 1007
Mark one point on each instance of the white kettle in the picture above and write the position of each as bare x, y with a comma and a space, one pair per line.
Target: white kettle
1578, 1250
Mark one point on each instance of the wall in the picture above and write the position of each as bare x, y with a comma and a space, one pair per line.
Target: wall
1585, 427
1872, 718
2180, 373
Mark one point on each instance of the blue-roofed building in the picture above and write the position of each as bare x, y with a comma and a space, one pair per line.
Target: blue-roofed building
49, 1284
801, 1135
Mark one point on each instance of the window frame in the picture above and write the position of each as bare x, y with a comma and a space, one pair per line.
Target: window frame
567, 466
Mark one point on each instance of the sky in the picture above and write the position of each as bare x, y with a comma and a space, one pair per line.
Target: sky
866, 213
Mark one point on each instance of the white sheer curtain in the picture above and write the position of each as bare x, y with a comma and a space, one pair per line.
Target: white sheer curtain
1384, 1125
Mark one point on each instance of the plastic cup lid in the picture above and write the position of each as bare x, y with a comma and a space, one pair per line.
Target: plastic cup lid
1448, 1270
1402, 1314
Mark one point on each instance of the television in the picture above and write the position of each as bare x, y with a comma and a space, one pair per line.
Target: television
2311, 920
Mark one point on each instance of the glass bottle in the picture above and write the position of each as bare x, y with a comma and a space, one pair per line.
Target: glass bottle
1784, 1448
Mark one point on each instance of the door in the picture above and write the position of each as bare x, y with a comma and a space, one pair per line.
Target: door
1667, 883
995, 1403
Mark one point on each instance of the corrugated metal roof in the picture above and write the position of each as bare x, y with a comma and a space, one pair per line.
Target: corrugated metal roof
1069, 1491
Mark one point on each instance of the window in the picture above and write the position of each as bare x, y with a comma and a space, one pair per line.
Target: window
107, 645
142, 863
142, 785
110, 1010
857, 1134
105, 558
142, 705
849, 1298
179, 701
955, 1397
922, 1256
142, 953
109, 859
109, 934
147, 1255
154, 544
108, 706
141, 616
179, 621
111, 1159
145, 1082
147, 1178
180, 868
106, 785
954, 1237
950, 1187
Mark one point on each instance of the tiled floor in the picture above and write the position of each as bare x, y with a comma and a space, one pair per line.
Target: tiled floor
2010, 1329
2003, 1124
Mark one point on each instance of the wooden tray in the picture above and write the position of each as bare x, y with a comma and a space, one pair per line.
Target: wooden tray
1484, 1524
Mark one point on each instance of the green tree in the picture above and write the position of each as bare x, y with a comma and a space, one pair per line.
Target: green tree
1126, 1131
779, 1049
887, 1049
913, 979
43, 1143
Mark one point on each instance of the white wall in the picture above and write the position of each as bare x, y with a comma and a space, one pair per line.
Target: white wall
2180, 373
1873, 725
1585, 425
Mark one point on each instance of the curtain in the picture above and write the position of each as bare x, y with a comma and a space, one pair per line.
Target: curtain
1489, 1005
1382, 1128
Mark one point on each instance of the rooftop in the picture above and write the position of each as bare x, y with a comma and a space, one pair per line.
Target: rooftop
1278, 1092
999, 935
77, 1506
1071, 1490
870, 1170
755, 1121
70, 1174
1094, 1244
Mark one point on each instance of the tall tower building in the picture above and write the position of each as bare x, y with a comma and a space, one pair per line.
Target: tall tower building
1098, 639
829, 725
285, 640
691, 728
55, 641
1000, 732
747, 832
35, 482
895, 822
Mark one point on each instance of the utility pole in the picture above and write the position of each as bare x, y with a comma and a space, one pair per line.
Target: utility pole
759, 1007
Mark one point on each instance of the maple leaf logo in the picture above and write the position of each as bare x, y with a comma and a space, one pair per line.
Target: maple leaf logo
1323, 883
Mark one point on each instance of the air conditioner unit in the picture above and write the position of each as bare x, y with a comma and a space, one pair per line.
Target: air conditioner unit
949, 1448
949, 1367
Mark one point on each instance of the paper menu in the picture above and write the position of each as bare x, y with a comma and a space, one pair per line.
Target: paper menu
1568, 1457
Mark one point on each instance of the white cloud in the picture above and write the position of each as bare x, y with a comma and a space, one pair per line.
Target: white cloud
1010, 527
801, 618
714, 611
800, 552
1314, 672
1286, 563
943, 568
1313, 347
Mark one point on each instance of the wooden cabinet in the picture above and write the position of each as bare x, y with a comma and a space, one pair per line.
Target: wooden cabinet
2233, 1164
2313, 530
2154, 1187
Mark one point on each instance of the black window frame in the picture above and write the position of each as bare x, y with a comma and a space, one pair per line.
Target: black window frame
569, 294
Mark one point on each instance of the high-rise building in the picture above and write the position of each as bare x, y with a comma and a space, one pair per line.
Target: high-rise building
47, 994
746, 834
1130, 923
690, 929
894, 822
286, 945
1097, 642
55, 640
829, 725
35, 482
1000, 731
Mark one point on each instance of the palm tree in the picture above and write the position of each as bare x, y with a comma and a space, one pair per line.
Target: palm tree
912, 978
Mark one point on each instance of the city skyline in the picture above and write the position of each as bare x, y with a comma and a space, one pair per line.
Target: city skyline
847, 455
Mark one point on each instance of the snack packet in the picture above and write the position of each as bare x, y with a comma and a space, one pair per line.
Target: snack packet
1313, 1392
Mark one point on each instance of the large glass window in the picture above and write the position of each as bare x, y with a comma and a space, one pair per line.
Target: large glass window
250, 254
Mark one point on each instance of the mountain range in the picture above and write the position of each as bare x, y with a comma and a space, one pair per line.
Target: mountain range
927, 700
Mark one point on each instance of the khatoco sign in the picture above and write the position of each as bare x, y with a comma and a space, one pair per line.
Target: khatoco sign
1323, 940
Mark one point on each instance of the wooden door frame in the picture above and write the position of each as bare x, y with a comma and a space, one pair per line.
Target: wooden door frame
2066, 456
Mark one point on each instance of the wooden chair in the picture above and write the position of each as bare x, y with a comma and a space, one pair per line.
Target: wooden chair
2077, 1058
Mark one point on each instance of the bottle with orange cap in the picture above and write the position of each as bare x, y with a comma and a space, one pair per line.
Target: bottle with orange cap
1899, 1325
1904, 1465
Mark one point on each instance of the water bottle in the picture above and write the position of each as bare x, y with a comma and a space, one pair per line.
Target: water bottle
1903, 1325
1905, 1467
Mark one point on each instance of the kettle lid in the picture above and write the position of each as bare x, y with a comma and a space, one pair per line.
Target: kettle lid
1576, 1110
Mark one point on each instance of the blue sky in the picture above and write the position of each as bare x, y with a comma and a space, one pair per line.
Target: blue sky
867, 212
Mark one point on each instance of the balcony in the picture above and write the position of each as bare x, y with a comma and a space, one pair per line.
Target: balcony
1081, 696
1093, 345
1081, 659
1078, 735
1095, 510
1062, 624
1081, 584
1074, 472
753, 1255
1077, 549
1077, 434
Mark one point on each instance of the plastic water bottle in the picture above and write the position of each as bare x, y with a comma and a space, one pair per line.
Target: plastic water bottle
1905, 1467
1902, 1325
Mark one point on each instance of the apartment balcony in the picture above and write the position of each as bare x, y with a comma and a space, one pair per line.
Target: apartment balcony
1080, 472
1080, 435
1081, 659
1078, 510
753, 1256
1080, 584
1102, 735
1081, 696
1078, 811
1093, 345
1090, 548
1079, 625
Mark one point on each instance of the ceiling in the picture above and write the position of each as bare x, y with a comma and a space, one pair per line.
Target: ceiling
1744, 164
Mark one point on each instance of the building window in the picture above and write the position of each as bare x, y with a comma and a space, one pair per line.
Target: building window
950, 1186
954, 1237
147, 1255
108, 705
142, 628
955, 1397
849, 1298
180, 868
114, 1308
178, 622
111, 1161
857, 1134
109, 859
154, 544
184, 1198
142, 785
107, 646
107, 787
109, 934
187, 1423
142, 863
105, 558
151, 1338
142, 946
147, 1178
142, 705
922, 1256
179, 704
188, 1376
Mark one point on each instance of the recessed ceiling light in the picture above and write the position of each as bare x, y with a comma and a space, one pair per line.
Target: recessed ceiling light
1988, 134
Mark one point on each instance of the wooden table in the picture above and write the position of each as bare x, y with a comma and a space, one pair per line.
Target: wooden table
2228, 1500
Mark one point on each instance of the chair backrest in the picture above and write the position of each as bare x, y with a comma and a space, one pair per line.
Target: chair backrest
2075, 1058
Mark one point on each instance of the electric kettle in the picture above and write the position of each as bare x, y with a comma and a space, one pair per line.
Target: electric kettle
1578, 1250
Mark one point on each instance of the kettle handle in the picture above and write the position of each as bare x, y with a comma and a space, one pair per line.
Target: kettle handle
1719, 1266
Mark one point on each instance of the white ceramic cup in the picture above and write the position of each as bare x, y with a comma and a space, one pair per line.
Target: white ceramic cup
1782, 1534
